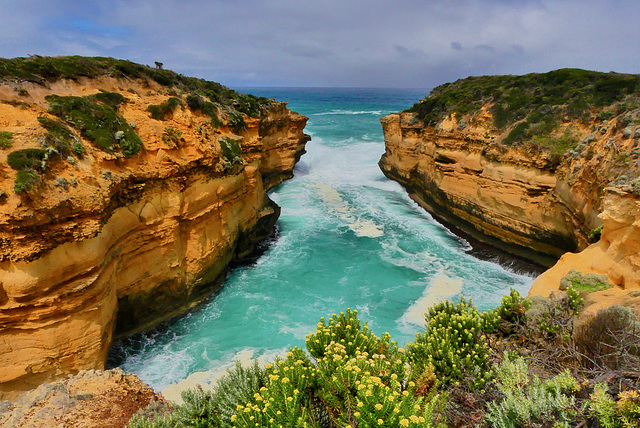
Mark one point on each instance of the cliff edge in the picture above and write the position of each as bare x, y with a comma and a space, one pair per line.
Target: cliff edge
538, 165
125, 193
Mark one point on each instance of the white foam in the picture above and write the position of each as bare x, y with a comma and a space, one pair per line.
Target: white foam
441, 287
350, 112
343, 210
208, 379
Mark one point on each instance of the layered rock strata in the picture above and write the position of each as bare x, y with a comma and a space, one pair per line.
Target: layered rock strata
108, 243
523, 199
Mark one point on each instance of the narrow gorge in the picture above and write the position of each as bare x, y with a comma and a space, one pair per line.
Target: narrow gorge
127, 191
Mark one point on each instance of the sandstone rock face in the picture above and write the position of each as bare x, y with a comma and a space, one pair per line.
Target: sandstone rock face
97, 399
508, 197
617, 254
522, 199
135, 240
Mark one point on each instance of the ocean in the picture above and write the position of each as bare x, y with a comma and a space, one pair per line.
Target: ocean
347, 238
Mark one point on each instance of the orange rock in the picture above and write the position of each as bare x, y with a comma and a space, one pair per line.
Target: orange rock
136, 240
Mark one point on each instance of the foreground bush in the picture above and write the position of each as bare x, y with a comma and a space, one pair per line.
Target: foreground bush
349, 377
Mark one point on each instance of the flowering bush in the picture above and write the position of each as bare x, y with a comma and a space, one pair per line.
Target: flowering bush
454, 343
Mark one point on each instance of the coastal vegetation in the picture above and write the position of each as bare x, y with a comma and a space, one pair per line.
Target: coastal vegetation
42, 69
524, 364
534, 107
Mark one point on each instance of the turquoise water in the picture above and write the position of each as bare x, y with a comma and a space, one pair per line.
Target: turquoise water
348, 237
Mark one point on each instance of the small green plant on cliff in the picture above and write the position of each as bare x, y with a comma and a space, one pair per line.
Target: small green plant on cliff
58, 136
594, 235
165, 110
230, 148
172, 137
6, 139
589, 282
26, 180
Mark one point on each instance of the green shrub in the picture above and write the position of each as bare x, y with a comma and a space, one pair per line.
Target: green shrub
589, 282
624, 413
236, 122
112, 99
6, 140
195, 102
344, 329
594, 235
513, 307
230, 148
25, 181
528, 401
164, 110
454, 343
26, 158
78, 149
59, 135
97, 121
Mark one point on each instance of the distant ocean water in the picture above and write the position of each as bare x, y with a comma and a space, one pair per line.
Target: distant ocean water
348, 237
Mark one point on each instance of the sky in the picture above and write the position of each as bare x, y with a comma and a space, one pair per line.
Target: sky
350, 43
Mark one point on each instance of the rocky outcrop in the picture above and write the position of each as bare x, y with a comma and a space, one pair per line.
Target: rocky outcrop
523, 199
108, 243
616, 254
507, 196
97, 399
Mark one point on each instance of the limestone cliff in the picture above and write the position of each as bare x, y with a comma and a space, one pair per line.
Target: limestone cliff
530, 180
119, 239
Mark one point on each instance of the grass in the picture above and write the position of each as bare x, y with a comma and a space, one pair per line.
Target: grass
532, 105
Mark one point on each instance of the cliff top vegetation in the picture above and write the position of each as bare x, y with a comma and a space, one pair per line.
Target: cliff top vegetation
43, 69
533, 106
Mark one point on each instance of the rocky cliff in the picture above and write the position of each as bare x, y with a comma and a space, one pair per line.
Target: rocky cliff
530, 164
126, 210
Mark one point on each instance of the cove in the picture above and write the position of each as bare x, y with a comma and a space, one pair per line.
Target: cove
347, 237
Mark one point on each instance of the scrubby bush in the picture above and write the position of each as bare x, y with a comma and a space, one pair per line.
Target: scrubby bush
25, 181
230, 148
528, 401
97, 121
165, 110
611, 339
512, 308
26, 158
624, 413
236, 122
589, 282
58, 136
6, 139
172, 136
454, 343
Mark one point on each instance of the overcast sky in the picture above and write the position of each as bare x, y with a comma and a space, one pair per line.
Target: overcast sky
374, 43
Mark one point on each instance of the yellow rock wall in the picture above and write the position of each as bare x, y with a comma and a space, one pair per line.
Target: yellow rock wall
136, 240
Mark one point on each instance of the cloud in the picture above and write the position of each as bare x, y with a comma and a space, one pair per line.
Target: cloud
334, 43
